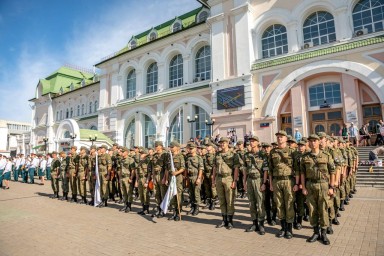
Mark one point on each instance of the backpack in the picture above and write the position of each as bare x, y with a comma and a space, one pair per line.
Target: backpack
361, 131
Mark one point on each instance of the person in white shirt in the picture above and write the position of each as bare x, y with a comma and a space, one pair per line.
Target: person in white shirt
3, 162
42, 169
48, 170
32, 168
16, 164
22, 167
7, 172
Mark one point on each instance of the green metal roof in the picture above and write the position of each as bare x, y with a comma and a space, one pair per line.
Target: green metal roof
188, 20
317, 53
63, 78
85, 133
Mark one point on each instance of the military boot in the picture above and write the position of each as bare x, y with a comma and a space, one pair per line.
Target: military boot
57, 195
196, 210
66, 196
324, 237
142, 212
192, 209
350, 195
212, 205
53, 196
177, 216
335, 220
173, 215
83, 200
261, 228
299, 222
207, 203
269, 219
330, 229
124, 208
129, 208
281, 232
230, 222
288, 231
253, 228
146, 209
315, 235
273, 222
342, 206
157, 213
223, 223
92, 202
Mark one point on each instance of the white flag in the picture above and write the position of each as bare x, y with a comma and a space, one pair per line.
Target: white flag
97, 200
179, 119
172, 190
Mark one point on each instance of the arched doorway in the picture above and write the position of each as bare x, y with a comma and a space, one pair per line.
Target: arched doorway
176, 128
129, 137
149, 132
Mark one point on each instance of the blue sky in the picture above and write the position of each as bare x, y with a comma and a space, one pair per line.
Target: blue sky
39, 36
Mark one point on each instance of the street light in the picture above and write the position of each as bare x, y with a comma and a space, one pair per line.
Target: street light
92, 139
191, 121
73, 137
210, 124
45, 144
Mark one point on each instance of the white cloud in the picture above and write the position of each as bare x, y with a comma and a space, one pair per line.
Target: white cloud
91, 40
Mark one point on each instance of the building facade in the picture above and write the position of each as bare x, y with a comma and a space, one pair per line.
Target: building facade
14, 137
234, 66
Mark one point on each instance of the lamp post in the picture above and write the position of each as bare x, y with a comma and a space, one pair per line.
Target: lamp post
73, 137
210, 123
191, 121
92, 139
45, 139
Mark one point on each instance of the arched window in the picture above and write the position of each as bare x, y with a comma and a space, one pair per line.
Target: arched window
328, 93
61, 114
319, 28
201, 128
176, 129
152, 36
131, 84
93, 127
129, 139
176, 71
57, 115
67, 134
82, 109
149, 133
133, 44
203, 63
202, 16
71, 113
67, 114
78, 110
90, 107
96, 106
274, 41
176, 26
152, 78
368, 14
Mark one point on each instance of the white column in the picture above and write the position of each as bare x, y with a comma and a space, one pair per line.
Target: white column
139, 127
218, 53
187, 69
293, 34
161, 76
344, 30
242, 41
140, 88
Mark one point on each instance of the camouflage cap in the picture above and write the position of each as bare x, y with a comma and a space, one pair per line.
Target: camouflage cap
143, 150
223, 139
209, 144
301, 142
240, 142
54, 153
191, 145
330, 139
75, 147
305, 139
254, 137
274, 143
291, 139
124, 149
104, 146
321, 135
266, 145
174, 144
132, 149
247, 143
93, 147
202, 147
83, 148
158, 143
313, 137
281, 132
115, 145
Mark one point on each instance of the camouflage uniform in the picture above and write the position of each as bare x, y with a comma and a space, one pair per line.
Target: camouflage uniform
194, 166
126, 176
317, 170
72, 169
207, 182
84, 165
104, 166
55, 176
142, 180
64, 177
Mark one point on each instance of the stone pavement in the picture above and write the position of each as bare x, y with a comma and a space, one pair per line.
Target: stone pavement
33, 224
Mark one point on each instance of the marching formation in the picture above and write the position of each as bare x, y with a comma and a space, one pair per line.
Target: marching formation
310, 179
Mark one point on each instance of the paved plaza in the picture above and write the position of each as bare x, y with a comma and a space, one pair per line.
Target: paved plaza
33, 224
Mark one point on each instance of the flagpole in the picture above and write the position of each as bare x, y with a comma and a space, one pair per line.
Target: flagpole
178, 203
